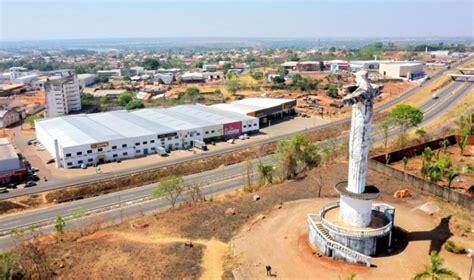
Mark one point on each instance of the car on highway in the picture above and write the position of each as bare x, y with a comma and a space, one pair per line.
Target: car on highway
3, 190
30, 184
231, 141
435, 96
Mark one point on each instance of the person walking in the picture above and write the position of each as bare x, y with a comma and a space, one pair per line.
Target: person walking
269, 270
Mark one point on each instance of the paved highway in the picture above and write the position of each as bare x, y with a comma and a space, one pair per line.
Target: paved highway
98, 177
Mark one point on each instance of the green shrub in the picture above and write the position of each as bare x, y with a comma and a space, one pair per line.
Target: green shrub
450, 246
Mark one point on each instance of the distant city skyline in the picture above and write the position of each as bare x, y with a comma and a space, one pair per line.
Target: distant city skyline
59, 19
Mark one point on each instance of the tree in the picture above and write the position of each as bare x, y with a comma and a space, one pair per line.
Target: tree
295, 155
87, 99
134, 104
257, 75
332, 91
266, 172
171, 188
104, 100
151, 63
405, 116
421, 134
303, 83
234, 85
435, 271
126, 78
59, 225
278, 80
124, 98
450, 176
445, 144
30, 120
462, 144
405, 162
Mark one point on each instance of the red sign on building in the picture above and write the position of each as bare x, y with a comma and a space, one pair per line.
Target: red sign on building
232, 130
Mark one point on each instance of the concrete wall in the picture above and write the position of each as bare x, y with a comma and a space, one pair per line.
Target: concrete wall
446, 194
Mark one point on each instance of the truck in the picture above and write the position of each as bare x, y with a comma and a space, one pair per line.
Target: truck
161, 151
200, 145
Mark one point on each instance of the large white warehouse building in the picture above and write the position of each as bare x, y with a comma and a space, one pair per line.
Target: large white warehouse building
104, 137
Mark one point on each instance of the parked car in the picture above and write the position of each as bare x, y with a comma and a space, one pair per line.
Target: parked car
243, 137
11, 186
231, 141
30, 184
83, 166
3, 190
51, 161
34, 169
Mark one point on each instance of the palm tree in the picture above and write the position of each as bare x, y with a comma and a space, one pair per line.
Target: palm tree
435, 271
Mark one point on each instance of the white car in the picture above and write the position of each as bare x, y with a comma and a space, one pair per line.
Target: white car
231, 141
243, 137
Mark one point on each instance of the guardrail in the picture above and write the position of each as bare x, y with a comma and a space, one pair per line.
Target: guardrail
353, 232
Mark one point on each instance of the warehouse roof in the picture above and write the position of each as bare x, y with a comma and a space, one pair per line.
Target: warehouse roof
206, 115
249, 105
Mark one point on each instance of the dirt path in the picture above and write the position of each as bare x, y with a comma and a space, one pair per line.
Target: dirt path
213, 259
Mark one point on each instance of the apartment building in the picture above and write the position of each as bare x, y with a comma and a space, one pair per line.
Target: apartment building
62, 93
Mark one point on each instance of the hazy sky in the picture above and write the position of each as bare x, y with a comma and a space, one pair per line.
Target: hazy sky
68, 19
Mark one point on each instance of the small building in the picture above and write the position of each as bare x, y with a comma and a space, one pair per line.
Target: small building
358, 65
109, 73
8, 118
402, 69
308, 66
86, 80
264, 109
137, 70
192, 77
340, 65
209, 67
289, 65
10, 164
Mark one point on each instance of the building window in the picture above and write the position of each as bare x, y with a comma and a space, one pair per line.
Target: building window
137, 144
152, 141
114, 155
125, 154
124, 145
169, 138
90, 160
114, 147
245, 126
69, 163
254, 124
212, 131
100, 149
207, 132
79, 153
191, 135
79, 162
176, 144
145, 142
198, 134
138, 151
89, 151
68, 155
152, 148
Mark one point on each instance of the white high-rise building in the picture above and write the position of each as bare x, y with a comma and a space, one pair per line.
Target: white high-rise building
62, 93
